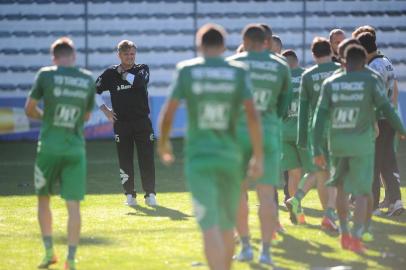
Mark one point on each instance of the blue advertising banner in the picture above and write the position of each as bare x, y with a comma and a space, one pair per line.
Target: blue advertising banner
14, 125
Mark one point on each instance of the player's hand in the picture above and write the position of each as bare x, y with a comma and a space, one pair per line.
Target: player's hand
110, 114
255, 168
165, 153
376, 130
402, 137
320, 161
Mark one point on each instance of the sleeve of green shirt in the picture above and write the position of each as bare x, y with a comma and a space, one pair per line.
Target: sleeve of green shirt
303, 115
178, 85
37, 90
246, 85
285, 96
92, 91
382, 104
321, 116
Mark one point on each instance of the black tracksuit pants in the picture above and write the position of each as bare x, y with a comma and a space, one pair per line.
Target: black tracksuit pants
141, 134
386, 164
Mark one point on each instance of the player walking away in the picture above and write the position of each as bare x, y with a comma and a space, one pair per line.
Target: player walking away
68, 95
271, 90
367, 236
311, 82
348, 102
336, 36
214, 91
269, 47
385, 157
127, 84
297, 161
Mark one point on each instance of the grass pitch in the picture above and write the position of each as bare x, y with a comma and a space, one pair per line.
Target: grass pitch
116, 237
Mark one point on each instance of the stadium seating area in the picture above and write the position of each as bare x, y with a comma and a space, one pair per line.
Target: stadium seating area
164, 30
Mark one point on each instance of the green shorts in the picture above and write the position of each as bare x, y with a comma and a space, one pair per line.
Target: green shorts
295, 157
215, 184
67, 169
355, 173
272, 154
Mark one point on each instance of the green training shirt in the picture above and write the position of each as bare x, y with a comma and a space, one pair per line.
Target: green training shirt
310, 87
290, 122
67, 93
271, 85
214, 90
350, 99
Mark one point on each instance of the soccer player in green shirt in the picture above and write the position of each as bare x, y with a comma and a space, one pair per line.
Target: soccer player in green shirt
68, 96
271, 90
295, 160
269, 46
214, 91
309, 94
347, 103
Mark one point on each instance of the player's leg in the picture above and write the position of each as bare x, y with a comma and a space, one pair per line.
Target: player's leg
359, 183
322, 176
267, 218
242, 226
201, 177
73, 189
303, 159
339, 169
229, 185
125, 150
74, 224
267, 211
390, 171
45, 174
376, 186
145, 153
45, 223
214, 248
291, 163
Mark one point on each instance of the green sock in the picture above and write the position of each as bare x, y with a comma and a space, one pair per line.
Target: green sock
299, 195
357, 230
245, 241
48, 244
330, 213
344, 226
265, 247
368, 225
71, 252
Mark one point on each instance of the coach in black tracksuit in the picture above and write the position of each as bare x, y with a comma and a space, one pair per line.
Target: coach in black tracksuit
127, 84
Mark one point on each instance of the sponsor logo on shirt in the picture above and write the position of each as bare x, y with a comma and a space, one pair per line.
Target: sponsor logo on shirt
213, 73
209, 87
66, 115
348, 86
123, 87
345, 117
214, 115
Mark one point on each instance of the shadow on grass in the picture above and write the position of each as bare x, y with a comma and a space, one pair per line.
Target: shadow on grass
86, 240
159, 211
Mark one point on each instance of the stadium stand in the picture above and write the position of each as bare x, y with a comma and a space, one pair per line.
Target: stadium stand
164, 30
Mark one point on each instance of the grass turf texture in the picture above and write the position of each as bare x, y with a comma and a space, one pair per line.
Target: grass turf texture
118, 237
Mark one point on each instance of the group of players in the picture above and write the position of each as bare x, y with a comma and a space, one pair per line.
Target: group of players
249, 117
249, 110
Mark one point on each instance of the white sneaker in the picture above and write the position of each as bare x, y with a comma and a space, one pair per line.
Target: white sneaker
131, 201
395, 209
151, 200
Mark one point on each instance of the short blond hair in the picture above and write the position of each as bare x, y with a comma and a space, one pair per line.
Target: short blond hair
62, 47
125, 45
